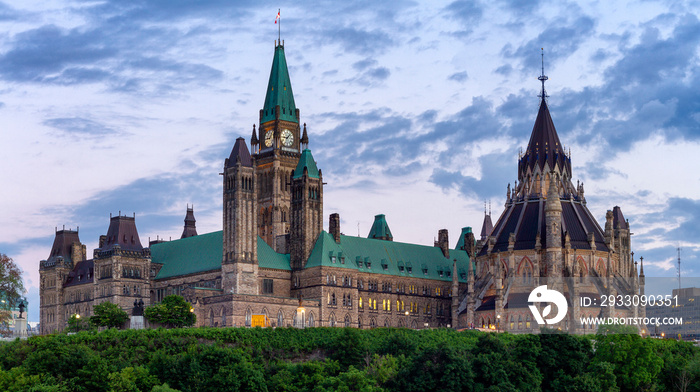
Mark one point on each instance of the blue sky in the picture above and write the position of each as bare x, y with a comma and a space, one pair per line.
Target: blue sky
414, 109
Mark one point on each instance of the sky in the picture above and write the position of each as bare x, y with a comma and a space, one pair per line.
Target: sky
414, 109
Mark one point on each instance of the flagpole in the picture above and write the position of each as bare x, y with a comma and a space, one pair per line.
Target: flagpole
279, 27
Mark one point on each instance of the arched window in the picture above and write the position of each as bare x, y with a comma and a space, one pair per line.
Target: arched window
331, 320
359, 322
280, 318
347, 320
520, 322
248, 317
372, 322
414, 324
386, 323
512, 323
527, 322
223, 317
311, 320
211, 317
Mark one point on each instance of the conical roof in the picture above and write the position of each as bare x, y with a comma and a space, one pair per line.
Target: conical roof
380, 229
486, 227
190, 229
544, 147
240, 150
306, 161
279, 90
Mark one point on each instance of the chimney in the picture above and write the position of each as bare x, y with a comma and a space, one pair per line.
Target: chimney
443, 242
334, 226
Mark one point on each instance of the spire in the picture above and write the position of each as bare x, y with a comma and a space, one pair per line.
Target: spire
190, 229
641, 267
544, 146
487, 225
279, 99
240, 152
254, 137
305, 139
543, 78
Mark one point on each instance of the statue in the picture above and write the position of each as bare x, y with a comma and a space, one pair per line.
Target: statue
21, 308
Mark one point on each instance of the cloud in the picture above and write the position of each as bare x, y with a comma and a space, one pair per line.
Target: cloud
79, 126
458, 76
559, 40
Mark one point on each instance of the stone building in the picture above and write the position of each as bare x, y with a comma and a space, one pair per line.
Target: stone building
272, 257
547, 235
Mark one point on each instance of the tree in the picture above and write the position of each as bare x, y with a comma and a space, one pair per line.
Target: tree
108, 315
172, 312
11, 289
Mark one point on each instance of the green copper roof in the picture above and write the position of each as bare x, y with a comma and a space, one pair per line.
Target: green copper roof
279, 90
203, 253
306, 161
460, 242
387, 258
268, 258
188, 255
380, 229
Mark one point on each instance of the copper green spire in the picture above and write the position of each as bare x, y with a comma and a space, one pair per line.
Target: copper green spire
279, 90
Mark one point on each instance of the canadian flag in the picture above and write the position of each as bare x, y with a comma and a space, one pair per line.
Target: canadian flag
277, 17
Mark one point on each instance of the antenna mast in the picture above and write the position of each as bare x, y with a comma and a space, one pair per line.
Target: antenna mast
679, 267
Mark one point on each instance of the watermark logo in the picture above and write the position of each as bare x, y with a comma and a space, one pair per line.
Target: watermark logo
542, 294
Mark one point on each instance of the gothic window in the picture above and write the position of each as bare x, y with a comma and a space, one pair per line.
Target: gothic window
211, 317
347, 320
372, 322
359, 303
331, 320
311, 320
520, 322
527, 322
280, 318
248, 317
333, 299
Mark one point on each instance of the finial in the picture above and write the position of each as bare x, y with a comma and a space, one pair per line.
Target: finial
485, 208
543, 78
489, 207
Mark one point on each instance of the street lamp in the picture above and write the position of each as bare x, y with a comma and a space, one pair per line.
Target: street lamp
77, 322
498, 323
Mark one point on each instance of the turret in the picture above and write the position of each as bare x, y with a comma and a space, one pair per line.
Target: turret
306, 211
240, 251
190, 229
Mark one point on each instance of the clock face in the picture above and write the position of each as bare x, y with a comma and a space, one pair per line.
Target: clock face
268, 138
287, 138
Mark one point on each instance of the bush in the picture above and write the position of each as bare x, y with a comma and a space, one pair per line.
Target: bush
172, 312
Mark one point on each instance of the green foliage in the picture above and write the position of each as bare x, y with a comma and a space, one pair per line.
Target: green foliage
337, 359
636, 363
77, 323
132, 379
163, 388
172, 312
11, 290
108, 315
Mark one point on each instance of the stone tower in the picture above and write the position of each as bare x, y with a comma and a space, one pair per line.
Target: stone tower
122, 265
307, 209
240, 251
67, 250
277, 149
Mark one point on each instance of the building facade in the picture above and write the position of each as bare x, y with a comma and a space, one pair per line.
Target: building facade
547, 235
272, 256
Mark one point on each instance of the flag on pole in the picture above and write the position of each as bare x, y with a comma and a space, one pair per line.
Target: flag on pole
277, 17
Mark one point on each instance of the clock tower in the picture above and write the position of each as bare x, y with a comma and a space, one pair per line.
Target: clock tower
276, 151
